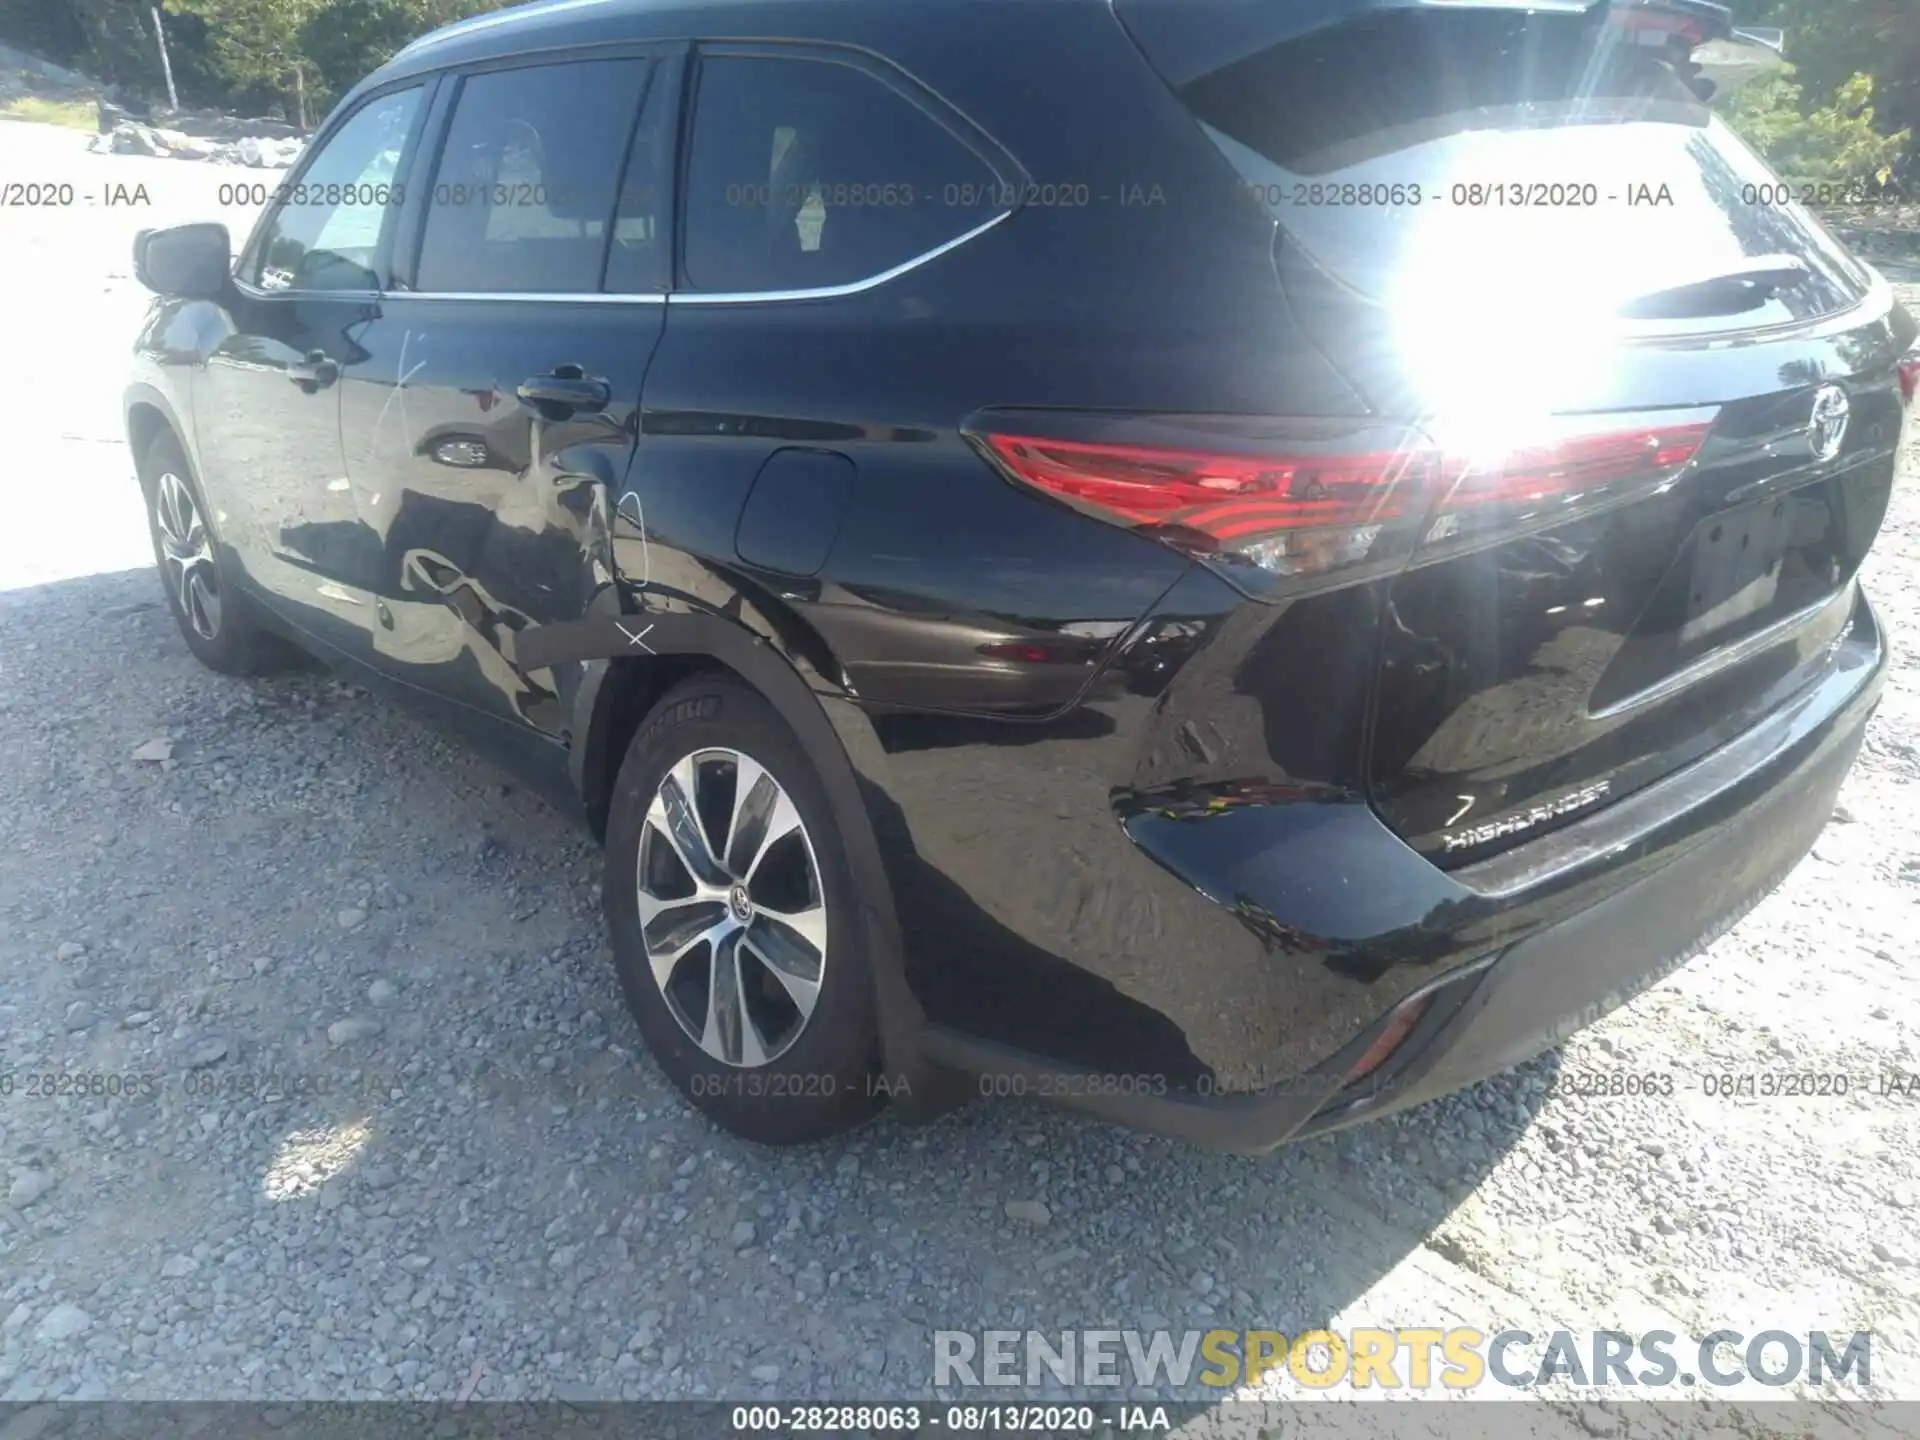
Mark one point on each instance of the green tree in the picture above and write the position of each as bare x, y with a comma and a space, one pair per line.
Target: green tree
257, 46
348, 38
1829, 42
1835, 143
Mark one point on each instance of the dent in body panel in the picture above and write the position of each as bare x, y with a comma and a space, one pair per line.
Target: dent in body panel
480, 515
1101, 887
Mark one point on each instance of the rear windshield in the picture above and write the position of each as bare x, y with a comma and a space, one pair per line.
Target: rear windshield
1511, 154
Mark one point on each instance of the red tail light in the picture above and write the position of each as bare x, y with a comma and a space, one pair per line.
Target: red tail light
1574, 465
1225, 497
1304, 500
1546, 482
1909, 377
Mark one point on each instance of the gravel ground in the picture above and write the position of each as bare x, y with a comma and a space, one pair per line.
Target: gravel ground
472, 1181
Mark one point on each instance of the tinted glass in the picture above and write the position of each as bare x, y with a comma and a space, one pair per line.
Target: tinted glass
639, 254
1515, 161
806, 173
327, 233
526, 179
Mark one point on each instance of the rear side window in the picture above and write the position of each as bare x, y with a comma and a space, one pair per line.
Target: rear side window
326, 233
806, 173
526, 180
1415, 153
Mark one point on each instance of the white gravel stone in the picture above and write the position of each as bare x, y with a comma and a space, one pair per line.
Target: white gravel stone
354, 1027
28, 1187
62, 1322
210, 1051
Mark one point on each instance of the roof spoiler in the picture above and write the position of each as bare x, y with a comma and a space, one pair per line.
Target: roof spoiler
1742, 56
1718, 56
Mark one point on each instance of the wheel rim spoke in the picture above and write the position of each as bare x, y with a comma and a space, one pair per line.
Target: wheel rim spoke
203, 603
797, 972
168, 509
782, 820
753, 797
764, 965
187, 555
672, 815
675, 926
666, 959
809, 927
730, 1032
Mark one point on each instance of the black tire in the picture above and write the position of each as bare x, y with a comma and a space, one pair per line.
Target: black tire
216, 618
818, 1085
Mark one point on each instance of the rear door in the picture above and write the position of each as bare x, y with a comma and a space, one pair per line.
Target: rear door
492, 407
1659, 399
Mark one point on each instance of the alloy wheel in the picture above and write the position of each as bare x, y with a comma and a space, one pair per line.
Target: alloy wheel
186, 555
732, 912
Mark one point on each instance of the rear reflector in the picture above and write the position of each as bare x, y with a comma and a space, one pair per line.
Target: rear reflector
1392, 1035
1319, 509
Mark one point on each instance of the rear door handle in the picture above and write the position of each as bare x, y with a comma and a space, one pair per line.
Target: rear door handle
314, 371
565, 390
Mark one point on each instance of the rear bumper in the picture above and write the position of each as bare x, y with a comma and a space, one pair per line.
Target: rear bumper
1529, 947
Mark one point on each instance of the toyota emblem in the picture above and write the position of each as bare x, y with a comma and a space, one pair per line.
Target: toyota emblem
1827, 425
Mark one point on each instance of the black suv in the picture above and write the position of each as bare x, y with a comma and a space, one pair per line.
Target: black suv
1235, 564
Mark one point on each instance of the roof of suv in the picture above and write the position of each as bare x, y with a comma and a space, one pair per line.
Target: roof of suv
555, 23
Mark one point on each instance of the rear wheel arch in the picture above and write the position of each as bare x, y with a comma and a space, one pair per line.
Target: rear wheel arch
623, 691
617, 692
620, 692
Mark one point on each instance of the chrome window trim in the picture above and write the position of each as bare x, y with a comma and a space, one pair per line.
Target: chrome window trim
564, 297
257, 292
569, 297
834, 292
594, 297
